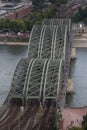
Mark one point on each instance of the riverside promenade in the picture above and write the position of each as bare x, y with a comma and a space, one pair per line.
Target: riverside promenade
73, 117
14, 43
80, 42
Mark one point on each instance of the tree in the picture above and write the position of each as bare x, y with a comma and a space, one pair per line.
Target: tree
76, 128
17, 25
81, 15
38, 4
84, 122
85, 21
1, 25
63, 1
51, 11
53, 1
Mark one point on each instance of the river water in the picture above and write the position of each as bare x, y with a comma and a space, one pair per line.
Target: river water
79, 75
9, 55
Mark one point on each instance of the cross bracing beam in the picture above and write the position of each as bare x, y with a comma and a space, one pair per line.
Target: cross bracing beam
57, 22
27, 74
43, 79
52, 79
35, 79
65, 44
49, 43
34, 41
16, 90
58, 43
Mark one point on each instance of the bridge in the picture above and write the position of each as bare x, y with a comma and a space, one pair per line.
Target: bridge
40, 75
39, 81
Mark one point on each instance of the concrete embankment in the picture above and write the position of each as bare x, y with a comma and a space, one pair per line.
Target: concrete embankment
73, 53
14, 43
70, 88
77, 43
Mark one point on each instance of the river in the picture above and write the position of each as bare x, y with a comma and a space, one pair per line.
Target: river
9, 55
79, 75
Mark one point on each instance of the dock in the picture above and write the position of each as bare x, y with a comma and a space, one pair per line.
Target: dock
73, 53
70, 87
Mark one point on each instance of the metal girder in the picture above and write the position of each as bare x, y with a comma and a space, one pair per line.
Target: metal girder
17, 85
26, 79
60, 22
52, 79
58, 43
65, 44
34, 41
48, 43
35, 79
41, 78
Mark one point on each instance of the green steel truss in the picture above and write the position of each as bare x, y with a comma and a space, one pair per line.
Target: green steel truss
39, 75
18, 80
43, 79
51, 42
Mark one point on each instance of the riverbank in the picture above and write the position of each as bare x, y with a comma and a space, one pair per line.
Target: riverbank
70, 88
81, 42
14, 43
73, 117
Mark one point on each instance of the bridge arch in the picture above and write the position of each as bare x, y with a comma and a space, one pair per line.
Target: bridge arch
17, 85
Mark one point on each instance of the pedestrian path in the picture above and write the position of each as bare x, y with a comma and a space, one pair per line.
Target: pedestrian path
13, 43
73, 117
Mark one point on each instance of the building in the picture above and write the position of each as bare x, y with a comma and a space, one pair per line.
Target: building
14, 11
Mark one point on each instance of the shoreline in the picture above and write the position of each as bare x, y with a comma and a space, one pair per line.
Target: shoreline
79, 43
14, 43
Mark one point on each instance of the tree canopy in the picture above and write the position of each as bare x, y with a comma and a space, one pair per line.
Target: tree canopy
38, 4
84, 122
76, 128
81, 15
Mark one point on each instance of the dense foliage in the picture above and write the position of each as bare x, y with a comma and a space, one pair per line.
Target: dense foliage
81, 15
38, 4
39, 12
35, 17
76, 128
84, 124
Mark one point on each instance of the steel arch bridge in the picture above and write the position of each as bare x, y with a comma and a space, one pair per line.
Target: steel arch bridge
43, 79
39, 76
60, 22
19, 79
48, 42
